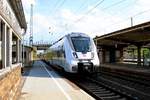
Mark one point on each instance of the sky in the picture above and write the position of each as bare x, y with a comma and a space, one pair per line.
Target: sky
52, 19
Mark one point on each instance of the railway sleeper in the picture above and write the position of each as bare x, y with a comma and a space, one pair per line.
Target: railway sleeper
101, 92
92, 86
122, 99
131, 92
105, 94
96, 89
116, 97
139, 80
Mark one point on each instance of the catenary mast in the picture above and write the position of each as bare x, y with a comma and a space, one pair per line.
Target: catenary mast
31, 26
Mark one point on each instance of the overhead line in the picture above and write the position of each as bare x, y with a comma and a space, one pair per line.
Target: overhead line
95, 6
55, 5
114, 4
81, 6
62, 3
140, 13
58, 5
101, 1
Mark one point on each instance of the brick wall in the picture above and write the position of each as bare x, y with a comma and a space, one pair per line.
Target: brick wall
9, 84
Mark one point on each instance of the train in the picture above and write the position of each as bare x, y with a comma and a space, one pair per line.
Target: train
74, 53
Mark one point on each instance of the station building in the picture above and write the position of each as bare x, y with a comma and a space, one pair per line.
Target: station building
12, 27
113, 46
29, 55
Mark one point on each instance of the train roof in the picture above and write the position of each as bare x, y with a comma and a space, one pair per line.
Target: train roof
72, 34
75, 34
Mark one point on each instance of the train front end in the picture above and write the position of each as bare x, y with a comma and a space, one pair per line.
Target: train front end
84, 53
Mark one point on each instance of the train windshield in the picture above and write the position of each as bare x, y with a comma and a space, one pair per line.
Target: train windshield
81, 44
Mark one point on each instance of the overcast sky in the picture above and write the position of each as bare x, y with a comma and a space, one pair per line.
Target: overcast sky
55, 18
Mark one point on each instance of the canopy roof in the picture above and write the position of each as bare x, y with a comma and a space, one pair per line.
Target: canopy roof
136, 35
18, 10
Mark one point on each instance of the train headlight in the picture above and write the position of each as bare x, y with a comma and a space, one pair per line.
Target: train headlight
75, 55
92, 54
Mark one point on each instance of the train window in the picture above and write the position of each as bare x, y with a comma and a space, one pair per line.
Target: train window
64, 55
63, 52
81, 44
58, 54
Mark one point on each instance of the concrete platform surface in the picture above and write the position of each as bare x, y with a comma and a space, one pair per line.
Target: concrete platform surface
42, 84
128, 67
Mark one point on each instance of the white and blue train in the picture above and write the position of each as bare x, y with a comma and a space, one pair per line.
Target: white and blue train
75, 53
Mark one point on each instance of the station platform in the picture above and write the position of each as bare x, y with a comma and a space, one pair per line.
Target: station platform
128, 69
44, 84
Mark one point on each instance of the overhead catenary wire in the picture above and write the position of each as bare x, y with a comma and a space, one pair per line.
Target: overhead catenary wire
140, 13
95, 7
61, 4
55, 5
82, 5
99, 3
58, 5
114, 4
57, 2
105, 8
129, 17
137, 14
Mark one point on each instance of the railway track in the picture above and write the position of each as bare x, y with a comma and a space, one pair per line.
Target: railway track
135, 84
134, 78
109, 87
134, 89
101, 91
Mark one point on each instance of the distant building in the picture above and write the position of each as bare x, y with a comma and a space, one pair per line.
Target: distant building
29, 55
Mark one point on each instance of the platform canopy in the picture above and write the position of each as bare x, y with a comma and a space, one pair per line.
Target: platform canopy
18, 10
135, 35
